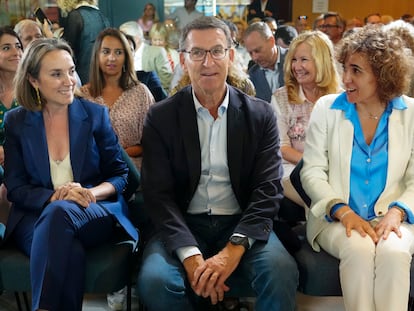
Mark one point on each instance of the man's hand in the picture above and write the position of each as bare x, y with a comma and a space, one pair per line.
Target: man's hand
191, 264
209, 277
352, 221
390, 222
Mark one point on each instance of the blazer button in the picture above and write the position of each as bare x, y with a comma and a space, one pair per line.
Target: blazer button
380, 213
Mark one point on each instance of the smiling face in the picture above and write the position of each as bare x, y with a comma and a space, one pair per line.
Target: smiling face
359, 80
56, 81
10, 53
111, 56
207, 76
303, 65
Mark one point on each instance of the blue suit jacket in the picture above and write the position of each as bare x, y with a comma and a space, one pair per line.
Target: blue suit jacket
257, 76
172, 164
94, 153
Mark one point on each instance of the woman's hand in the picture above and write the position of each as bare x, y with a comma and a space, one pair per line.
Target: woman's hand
74, 192
390, 222
352, 221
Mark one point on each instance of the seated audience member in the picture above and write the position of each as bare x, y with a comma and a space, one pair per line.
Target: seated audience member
193, 143
310, 73
372, 19
267, 72
301, 23
113, 83
148, 18
358, 170
271, 22
334, 26
64, 174
11, 52
317, 23
148, 57
149, 78
28, 30
284, 35
352, 23
160, 36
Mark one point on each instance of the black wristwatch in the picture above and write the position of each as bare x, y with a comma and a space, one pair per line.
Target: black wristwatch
240, 240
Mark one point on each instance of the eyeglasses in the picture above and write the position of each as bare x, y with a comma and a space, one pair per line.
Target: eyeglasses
216, 53
324, 26
302, 17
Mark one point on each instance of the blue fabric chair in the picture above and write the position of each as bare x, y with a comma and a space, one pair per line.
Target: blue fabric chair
109, 267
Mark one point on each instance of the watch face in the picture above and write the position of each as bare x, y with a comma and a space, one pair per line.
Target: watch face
239, 240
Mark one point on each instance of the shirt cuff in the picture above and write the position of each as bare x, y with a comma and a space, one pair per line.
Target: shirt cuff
187, 251
409, 216
251, 240
330, 217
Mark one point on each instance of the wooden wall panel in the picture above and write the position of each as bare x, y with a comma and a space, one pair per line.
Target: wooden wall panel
358, 8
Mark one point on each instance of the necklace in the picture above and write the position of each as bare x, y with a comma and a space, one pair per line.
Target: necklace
372, 117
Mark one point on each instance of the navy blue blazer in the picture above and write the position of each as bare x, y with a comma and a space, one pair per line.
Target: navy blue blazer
95, 157
172, 164
257, 76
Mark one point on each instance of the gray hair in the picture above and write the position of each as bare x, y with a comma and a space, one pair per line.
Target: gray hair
202, 23
132, 28
261, 27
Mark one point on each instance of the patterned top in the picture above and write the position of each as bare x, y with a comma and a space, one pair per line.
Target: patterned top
292, 120
3, 110
128, 112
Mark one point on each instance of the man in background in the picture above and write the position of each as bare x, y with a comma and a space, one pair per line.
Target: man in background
267, 71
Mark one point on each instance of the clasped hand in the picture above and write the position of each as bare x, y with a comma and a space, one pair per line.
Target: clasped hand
207, 277
389, 223
74, 192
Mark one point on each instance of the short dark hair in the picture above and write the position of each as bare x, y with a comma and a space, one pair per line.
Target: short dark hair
286, 33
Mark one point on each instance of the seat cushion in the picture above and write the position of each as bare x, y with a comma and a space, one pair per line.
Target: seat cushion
107, 268
318, 271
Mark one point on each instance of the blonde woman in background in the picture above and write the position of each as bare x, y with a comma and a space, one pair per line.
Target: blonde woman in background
148, 19
310, 73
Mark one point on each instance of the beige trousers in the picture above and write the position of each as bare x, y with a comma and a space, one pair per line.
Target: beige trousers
373, 277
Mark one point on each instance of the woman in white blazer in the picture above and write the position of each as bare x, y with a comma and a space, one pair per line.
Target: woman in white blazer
359, 173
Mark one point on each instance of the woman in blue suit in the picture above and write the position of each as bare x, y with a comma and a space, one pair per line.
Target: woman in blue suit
64, 174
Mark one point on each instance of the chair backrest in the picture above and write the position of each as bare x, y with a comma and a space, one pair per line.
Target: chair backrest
297, 184
134, 177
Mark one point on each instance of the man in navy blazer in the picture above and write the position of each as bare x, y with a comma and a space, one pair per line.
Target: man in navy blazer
211, 183
267, 72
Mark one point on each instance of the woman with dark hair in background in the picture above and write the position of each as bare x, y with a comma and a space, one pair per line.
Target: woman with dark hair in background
114, 84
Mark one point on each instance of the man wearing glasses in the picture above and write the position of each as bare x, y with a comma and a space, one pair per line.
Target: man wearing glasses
211, 182
334, 26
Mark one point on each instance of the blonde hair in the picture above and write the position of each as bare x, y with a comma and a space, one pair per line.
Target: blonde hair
322, 50
68, 5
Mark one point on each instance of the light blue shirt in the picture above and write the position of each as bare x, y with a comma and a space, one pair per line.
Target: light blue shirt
272, 75
369, 163
214, 194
